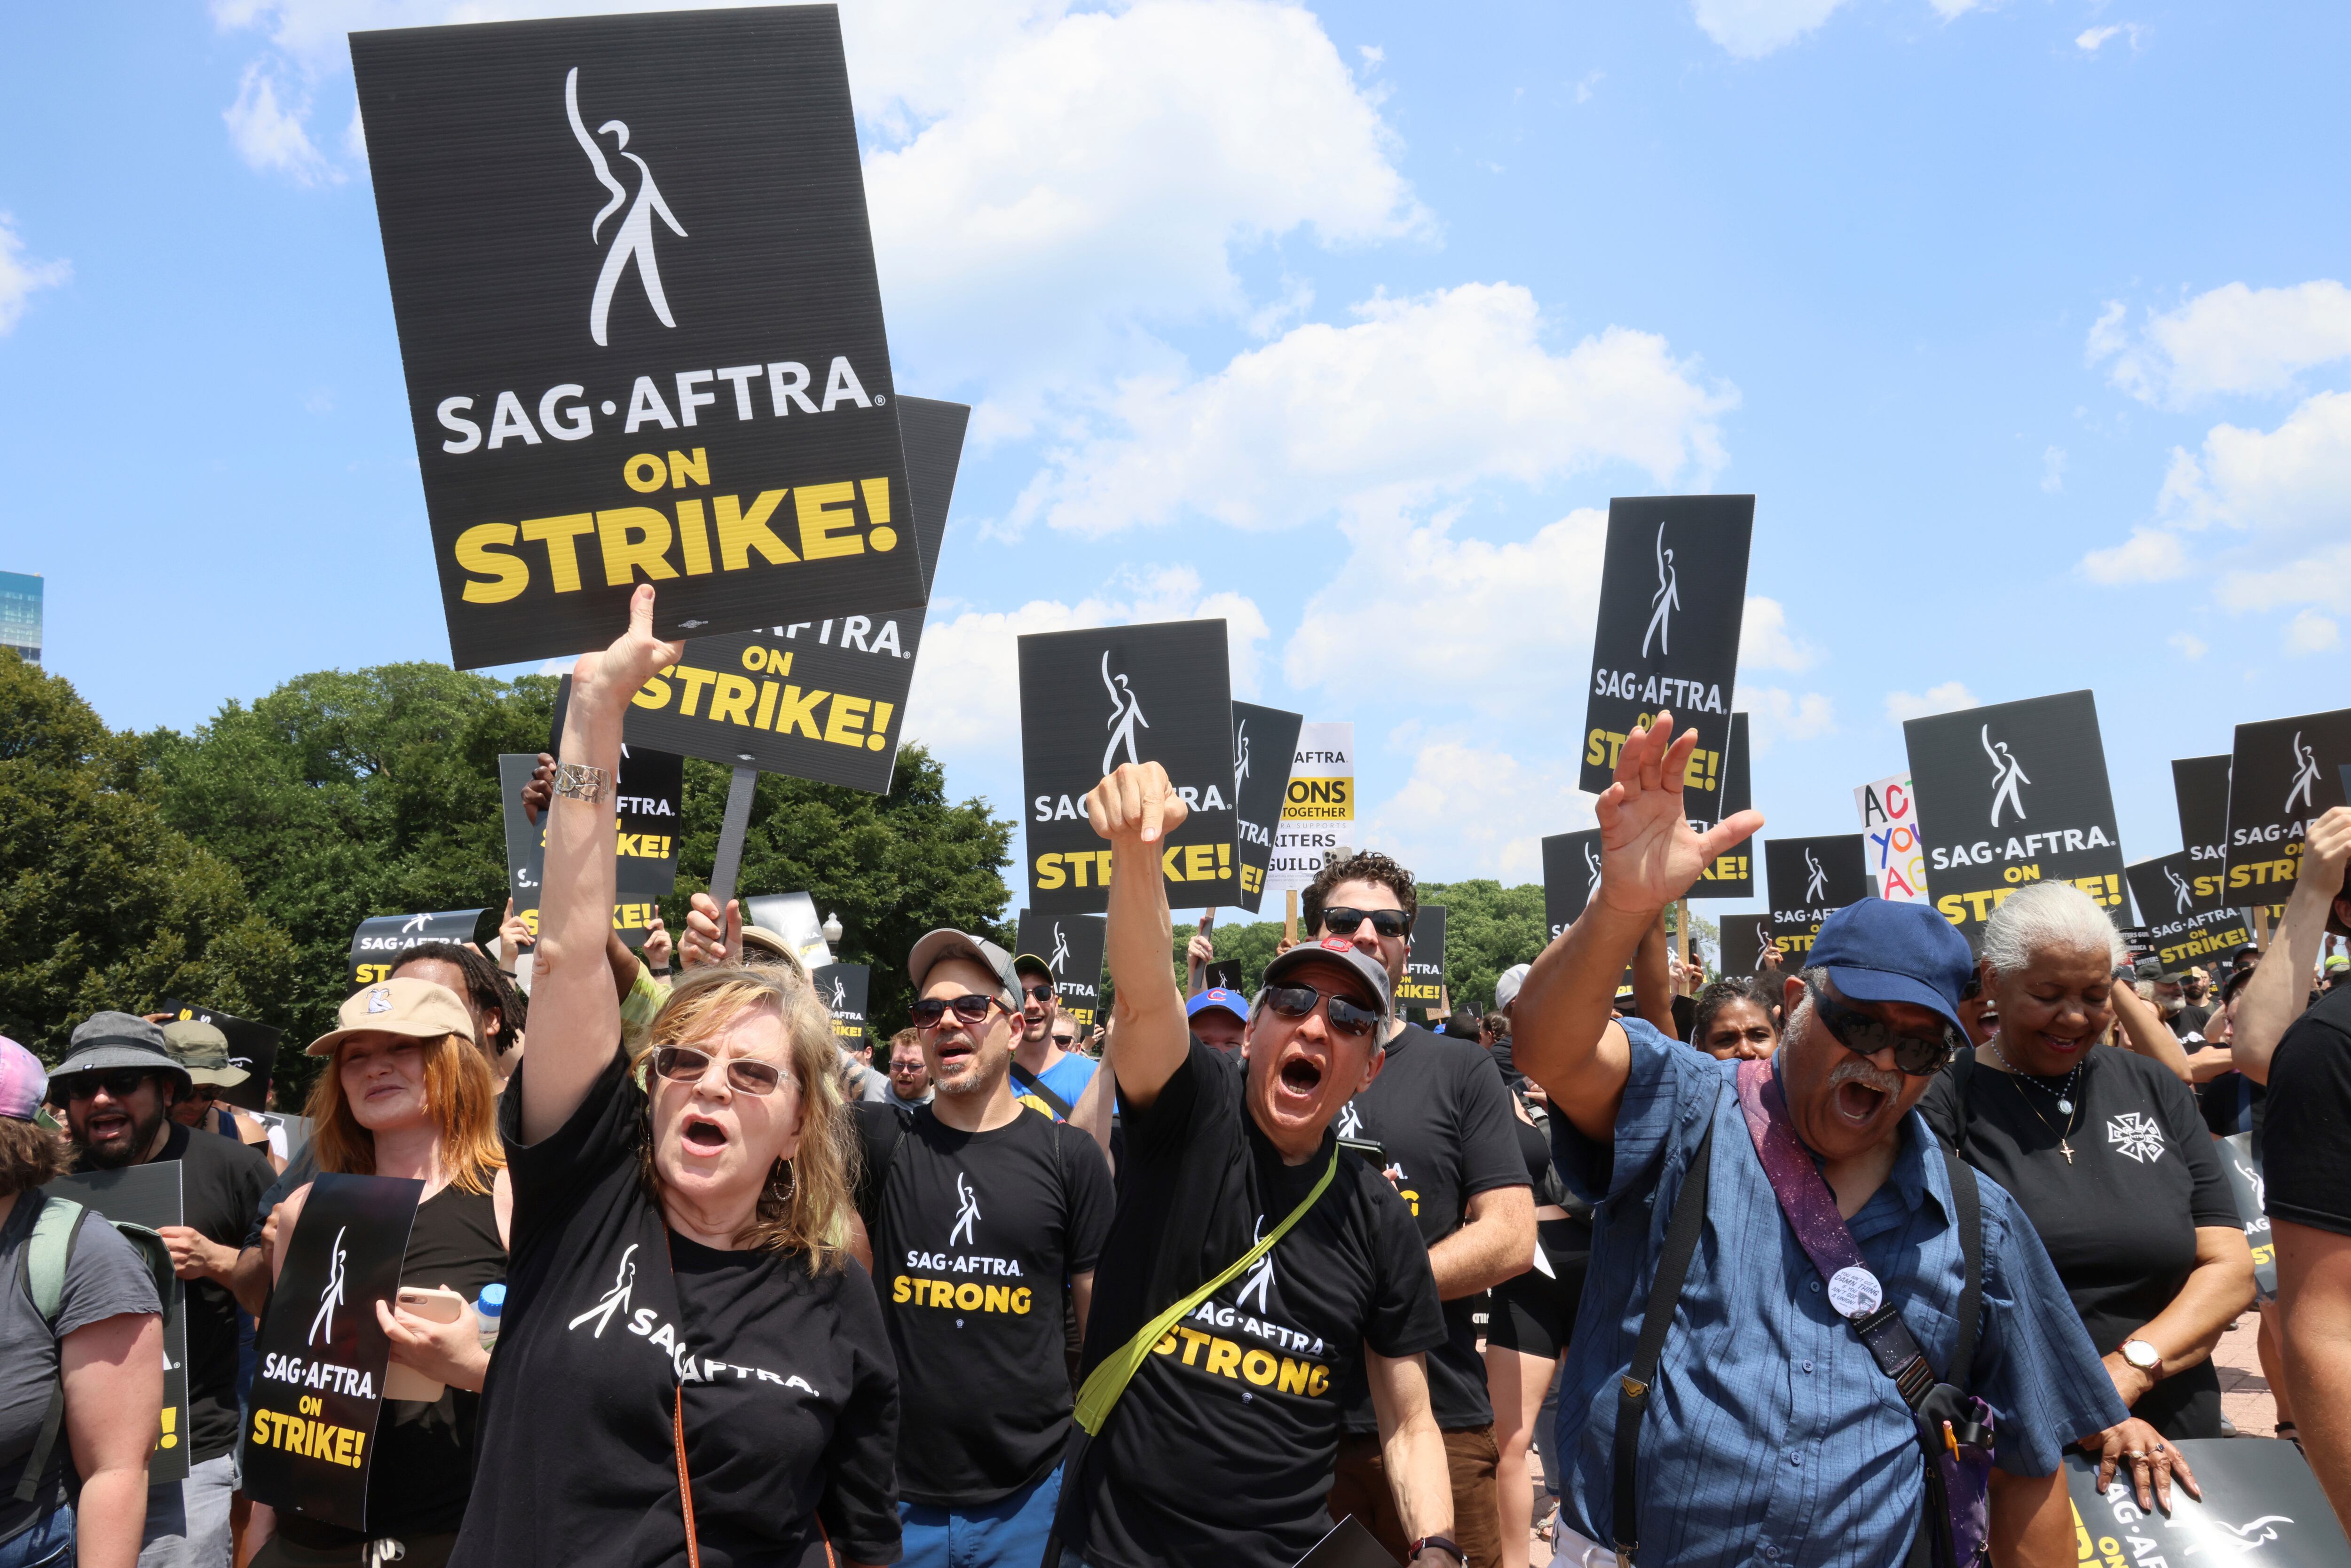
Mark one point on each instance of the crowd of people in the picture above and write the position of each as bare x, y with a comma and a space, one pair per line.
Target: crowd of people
1829, 1265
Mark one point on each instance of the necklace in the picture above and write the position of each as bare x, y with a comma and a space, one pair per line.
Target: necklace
2064, 1105
2065, 1096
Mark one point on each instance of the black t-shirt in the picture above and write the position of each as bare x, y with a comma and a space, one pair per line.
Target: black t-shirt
1221, 1450
221, 1181
974, 1237
2307, 1159
791, 1396
2190, 1020
2119, 1220
1441, 1114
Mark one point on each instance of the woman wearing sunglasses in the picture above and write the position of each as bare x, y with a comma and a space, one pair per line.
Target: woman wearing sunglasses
693, 1371
2106, 1152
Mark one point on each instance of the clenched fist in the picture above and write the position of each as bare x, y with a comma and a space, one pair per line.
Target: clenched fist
1135, 802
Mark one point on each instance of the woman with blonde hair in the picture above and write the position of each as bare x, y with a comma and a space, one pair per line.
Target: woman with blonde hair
405, 1093
692, 1370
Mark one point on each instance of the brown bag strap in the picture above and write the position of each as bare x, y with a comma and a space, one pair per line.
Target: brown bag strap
686, 1490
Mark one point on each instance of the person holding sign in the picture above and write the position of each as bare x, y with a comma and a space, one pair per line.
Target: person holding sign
1783, 1260
406, 1094
692, 1370
1252, 1266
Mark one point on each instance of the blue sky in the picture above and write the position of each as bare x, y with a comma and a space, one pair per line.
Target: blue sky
2021, 319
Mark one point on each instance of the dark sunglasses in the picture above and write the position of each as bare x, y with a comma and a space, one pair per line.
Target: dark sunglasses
684, 1064
1065, 1041
1915, 1055
1386, 922
930, 1010
1351, 1018
1043, 994
120, 1082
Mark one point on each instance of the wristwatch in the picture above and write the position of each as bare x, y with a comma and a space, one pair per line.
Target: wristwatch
2144, 1356
1443, 1543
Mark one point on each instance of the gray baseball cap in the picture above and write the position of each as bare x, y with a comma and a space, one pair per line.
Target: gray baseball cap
106, 1041
949, 942
1507, 984
1338, 950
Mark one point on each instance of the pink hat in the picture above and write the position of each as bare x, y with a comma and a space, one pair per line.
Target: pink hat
23, 1082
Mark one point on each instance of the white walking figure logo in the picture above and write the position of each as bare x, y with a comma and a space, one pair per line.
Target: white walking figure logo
1059, 961
2240, 1538
2007, 773
323, 1321
966, 1215
625, 1281
2306, 777
1592, 866
414, 923
1240, 756
1816, 886
1261, 1277
634, 236
2180, 891
1126, 713
840, 993
1763, 948
1666, 600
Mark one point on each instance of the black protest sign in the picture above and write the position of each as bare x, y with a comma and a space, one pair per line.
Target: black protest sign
2261, 1504
1263, 741
2252, 1193
633, 281
2282, 773
2013, 794
1747, 945
1422, 985
821, 698
251, 1046
1672, 594
793, 917
1571, 866
1092, 700
2199, 785
1812, 879
1730, 874
844, 990
1072, 946
649, 810
381, 939
1224, 975
319, 1355
149, 1198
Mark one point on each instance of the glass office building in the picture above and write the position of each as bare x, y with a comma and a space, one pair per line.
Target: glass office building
20, 615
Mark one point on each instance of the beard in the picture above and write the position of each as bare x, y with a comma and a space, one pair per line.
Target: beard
118, 1153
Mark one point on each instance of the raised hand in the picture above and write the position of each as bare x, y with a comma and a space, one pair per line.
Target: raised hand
1135, 802
706, 942
1648, 854
621, 671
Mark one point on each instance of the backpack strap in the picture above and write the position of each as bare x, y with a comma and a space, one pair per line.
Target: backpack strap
1966, 1206
1036, 1085
48, 1254
1633, 1389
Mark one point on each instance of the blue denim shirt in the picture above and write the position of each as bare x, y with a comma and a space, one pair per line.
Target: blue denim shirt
1771, 1435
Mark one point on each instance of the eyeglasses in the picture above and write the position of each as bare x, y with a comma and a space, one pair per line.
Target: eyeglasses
1386, 922
1065, 1041
929, 1012
684, 1064
905, 1069
1350, 1019
1041, 993
119, 1083
1915, 1055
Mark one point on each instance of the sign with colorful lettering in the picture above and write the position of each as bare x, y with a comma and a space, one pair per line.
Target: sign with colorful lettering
1318, 806
1889, 839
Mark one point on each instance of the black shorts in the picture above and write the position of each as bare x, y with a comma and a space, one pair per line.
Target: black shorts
1534, 1314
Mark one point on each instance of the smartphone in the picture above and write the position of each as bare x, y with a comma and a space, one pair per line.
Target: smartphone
1364, 1148
438, 1305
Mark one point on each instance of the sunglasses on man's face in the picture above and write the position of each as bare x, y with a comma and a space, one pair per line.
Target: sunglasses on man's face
1390, 922
1065, 1041
684, 1064
1351, 1018
119, 1083
929, 1012
1041, 995
1918, 1056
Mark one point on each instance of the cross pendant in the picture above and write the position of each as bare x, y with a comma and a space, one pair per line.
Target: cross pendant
2065, 1149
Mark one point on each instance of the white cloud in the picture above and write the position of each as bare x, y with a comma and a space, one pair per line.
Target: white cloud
2297, 475
2091, 40
1949, 10
270, 136
1751, 28
20, 277
1949, 697
2149, 555
2311, 633
1775, 715
2052, 470
2229, 340
1419, 397
2191, 647
1588, 85
1469, 811
2322, 578
1766, 644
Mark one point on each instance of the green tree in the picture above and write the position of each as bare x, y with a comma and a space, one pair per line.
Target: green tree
102, 904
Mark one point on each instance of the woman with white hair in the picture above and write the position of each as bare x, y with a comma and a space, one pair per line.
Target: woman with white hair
2106, 1153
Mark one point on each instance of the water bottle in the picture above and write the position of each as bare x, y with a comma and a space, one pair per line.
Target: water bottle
488, 1307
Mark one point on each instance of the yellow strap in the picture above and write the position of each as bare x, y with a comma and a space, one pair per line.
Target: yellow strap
1110, 1379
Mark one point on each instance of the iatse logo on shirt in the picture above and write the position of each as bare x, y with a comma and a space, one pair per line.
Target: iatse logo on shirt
646, 1324
2135, 1136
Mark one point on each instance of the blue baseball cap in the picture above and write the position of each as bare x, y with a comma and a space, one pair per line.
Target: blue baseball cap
1879, 952
1232, 1002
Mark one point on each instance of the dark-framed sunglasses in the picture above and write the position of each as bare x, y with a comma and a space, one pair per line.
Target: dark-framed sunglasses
1390, 922
929, 1012
1351, 1018
684, 1064
120, 1082
1915, 1055
1066, 1041
1041, 993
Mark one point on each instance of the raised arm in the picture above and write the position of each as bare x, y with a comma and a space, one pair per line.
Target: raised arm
575, 1015
2146, 1032
1565, 1034
1135, 808
2276, 994
1652, 979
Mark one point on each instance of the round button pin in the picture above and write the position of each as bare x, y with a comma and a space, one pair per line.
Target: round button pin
1854, 1292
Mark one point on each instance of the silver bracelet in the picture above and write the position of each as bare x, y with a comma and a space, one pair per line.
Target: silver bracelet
580, 782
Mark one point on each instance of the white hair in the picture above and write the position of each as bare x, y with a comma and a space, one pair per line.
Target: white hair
2045, 917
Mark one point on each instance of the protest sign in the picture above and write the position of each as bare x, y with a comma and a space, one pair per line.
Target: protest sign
1571, 864
2200, 787
149, 1198
1812, 879
1318, 806
1264, 739
793, 917
1094, 699
2282, 773
2261, 1504
2012, 794
1673, 591
1747, 945
824, 697
649, 810
319, 1355
2251, 1193
1889, 839
1730, 874
1224, 975
251, 1046
696, 390
1072, 946
1422, 985
381, 939
845, 990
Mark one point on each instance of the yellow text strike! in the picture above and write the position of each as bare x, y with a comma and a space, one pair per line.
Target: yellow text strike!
1703, 773
1955, 907
1229, 1358
697, 536
310, 1439
1177, 863
966, 1297
722, 697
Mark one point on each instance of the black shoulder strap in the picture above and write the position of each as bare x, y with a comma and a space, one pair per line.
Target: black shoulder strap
1036, 1085
1967, 1204
1633, 1389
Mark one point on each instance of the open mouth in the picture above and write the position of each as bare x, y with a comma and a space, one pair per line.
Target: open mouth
104, 1126
953, 1052
1300, 1075
703, 1135
1857, 1102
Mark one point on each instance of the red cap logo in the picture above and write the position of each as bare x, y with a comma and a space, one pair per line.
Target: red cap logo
1336, 944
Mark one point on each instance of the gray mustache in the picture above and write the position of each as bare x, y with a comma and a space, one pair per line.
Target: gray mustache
1864, 1071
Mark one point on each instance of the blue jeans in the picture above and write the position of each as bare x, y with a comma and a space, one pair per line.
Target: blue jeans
1006, 1533
187, 1521
45, 1544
